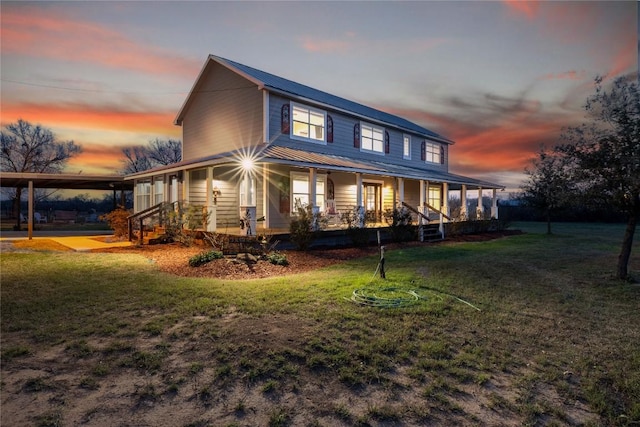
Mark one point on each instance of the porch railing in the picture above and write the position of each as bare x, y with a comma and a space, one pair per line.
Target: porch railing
421, 215
158, 210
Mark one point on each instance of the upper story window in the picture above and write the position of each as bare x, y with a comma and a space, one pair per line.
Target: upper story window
433, 153
308, 123
371, 138
406, 150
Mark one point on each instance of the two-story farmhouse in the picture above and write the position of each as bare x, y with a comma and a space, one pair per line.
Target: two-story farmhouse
255, 145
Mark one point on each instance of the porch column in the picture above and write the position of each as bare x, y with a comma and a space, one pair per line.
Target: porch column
312, 186
211, 209
166, 179
422, 208
30, 211
185, 186
480, 209
359, 204
265, 194
400, 191
358, 189
494, 205
463, 203
445, 198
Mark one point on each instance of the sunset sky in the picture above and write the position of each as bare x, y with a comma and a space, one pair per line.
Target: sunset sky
499, 78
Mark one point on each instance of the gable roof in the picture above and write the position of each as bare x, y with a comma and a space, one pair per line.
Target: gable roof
292, 89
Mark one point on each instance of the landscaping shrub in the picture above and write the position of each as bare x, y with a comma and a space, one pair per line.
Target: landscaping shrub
204, 257
399, 221
117, 220
355, 219
180, 225
304, 228
277, 258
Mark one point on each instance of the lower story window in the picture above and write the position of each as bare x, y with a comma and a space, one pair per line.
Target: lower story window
300, 191
434, 197
143, 195
158, 191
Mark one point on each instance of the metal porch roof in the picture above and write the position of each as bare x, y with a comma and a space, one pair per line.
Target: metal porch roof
65, 181
330, 162
293, 157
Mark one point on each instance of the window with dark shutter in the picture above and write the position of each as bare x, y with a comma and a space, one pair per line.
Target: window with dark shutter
285, 122
329, 129
441, 155
356, 135
386, 143
423, 151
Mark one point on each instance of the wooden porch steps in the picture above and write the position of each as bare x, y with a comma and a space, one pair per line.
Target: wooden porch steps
431, 233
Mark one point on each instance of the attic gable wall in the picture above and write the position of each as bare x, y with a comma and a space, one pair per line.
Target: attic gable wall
223, 114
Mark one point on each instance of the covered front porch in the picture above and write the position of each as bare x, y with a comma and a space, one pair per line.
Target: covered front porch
246, 194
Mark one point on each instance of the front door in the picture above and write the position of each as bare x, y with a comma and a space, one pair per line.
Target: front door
373, 202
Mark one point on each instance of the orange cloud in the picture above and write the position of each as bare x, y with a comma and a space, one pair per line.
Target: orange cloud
350, 43
625, 58
75, 115
528, 8
506, 144
34, 32
325, 46
97, 159
567, 75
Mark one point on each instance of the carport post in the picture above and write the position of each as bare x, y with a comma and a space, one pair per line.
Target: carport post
30, 211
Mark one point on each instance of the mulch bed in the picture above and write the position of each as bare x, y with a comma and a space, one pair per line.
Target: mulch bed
173, 258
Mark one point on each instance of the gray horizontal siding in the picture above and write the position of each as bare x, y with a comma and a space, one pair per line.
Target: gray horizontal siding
343, 126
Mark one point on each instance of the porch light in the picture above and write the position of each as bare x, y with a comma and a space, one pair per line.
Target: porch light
216, 193
247, 164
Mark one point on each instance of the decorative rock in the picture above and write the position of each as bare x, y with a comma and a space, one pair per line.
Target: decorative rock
246, 257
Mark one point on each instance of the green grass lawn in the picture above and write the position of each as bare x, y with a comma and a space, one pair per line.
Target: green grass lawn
525, 330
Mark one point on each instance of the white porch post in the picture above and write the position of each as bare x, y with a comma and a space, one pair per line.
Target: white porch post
400, 191
30, 209
185, 186
463, 202
312, 186
359, 204
494, 205
265, 194
211, 208
480, 209
165, 190
313, 183
423, 209
445, 198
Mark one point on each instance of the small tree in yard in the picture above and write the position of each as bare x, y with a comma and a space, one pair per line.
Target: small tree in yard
605, 152
549, 186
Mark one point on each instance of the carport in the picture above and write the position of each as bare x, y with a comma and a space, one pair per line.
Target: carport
62, 181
